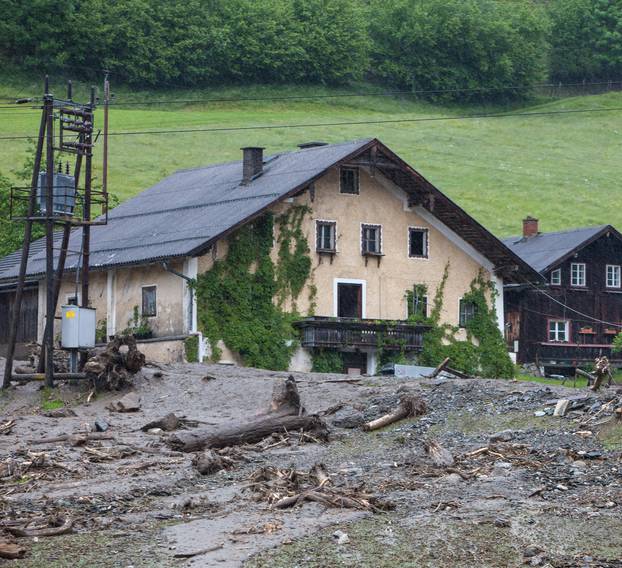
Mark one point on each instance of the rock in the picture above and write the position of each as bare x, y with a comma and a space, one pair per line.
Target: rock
503, 436
561, 407
501, 468
531, 551
561, 487
341, 537
101, 425
539, 413
348, 418
501, 522
579, 464
453, 478
129, 403
155, 431
59, 413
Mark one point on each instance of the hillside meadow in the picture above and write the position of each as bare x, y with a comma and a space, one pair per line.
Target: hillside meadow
563, 168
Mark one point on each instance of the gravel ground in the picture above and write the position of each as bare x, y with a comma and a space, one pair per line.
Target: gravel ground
545, 492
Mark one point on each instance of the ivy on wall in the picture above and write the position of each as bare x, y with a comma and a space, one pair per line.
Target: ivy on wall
326, 361
235, 299
294, 263
489, 357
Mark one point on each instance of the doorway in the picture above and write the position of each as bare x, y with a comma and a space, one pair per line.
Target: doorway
349, 300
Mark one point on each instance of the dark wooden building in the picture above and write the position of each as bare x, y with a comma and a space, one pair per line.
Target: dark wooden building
573, 318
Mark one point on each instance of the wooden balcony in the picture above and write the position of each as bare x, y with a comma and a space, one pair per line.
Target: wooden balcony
343, 333
554, 354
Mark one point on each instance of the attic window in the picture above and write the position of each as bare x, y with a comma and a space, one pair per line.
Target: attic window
349, 181
556, 277
417, 243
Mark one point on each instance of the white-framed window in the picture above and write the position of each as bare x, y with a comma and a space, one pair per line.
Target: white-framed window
467, 312
349, 180
577, 274
149, 301
417, 242
325, 236
556, 277
559, 330
371, 239
613, 276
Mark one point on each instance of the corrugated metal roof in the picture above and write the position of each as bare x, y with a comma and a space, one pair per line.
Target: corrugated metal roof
545, 249
187, 209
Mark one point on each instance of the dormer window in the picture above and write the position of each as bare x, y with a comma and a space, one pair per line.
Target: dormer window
556, 277
349, 181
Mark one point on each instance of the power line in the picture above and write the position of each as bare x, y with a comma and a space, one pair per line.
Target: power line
344, 123
567, 307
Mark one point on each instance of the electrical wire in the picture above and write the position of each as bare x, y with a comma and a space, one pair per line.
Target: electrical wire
567, 307
344, 123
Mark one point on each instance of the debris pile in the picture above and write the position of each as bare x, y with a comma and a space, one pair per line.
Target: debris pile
111, 367
289, 487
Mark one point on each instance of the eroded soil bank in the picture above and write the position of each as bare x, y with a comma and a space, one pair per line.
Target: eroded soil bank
525, 488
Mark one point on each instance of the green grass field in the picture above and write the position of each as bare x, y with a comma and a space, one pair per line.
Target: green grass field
564, 169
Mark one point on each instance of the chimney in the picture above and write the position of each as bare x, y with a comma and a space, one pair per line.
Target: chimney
530, 227
252, 163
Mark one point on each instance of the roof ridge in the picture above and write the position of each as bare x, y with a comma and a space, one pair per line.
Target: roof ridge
565, 231
283, 153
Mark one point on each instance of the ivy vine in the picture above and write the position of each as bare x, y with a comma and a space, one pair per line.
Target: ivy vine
236, 298
489, 357
294, 262
326, 361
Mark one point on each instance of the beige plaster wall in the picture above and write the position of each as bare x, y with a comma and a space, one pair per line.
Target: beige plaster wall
170, 312
379, 203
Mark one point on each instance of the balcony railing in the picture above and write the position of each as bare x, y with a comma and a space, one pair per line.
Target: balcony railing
341, 333
573, 354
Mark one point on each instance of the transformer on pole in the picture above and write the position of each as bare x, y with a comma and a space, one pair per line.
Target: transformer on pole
55, 198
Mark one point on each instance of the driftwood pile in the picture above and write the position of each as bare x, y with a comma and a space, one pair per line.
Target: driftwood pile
286, 414
285, 488
112, 367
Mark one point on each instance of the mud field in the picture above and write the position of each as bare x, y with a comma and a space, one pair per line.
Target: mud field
519, 485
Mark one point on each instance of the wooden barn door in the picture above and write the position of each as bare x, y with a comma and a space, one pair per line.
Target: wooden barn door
27, 325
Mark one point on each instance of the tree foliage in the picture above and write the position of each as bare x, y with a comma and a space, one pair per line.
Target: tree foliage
436, 45
156, 42
586, 39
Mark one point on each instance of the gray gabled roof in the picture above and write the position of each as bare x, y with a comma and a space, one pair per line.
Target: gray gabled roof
189, 208
185, 213
545, 250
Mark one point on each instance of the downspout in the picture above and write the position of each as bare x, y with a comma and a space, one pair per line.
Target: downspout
190, 287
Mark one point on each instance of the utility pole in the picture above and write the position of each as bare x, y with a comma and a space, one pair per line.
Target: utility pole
54, 203
19, 292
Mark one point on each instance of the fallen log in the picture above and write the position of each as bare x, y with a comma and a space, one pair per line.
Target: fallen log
408, 407
441, 367
74, 439
64, 528
286, 414
247, 433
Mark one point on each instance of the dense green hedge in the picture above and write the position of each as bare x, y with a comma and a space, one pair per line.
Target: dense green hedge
420, 44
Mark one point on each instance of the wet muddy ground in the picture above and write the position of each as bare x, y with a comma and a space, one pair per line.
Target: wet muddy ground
525, 488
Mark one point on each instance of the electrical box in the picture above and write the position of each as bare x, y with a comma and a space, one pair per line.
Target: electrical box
64, 193
77, 327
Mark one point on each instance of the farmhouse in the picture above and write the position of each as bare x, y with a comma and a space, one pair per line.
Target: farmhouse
345, 240
574, 318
